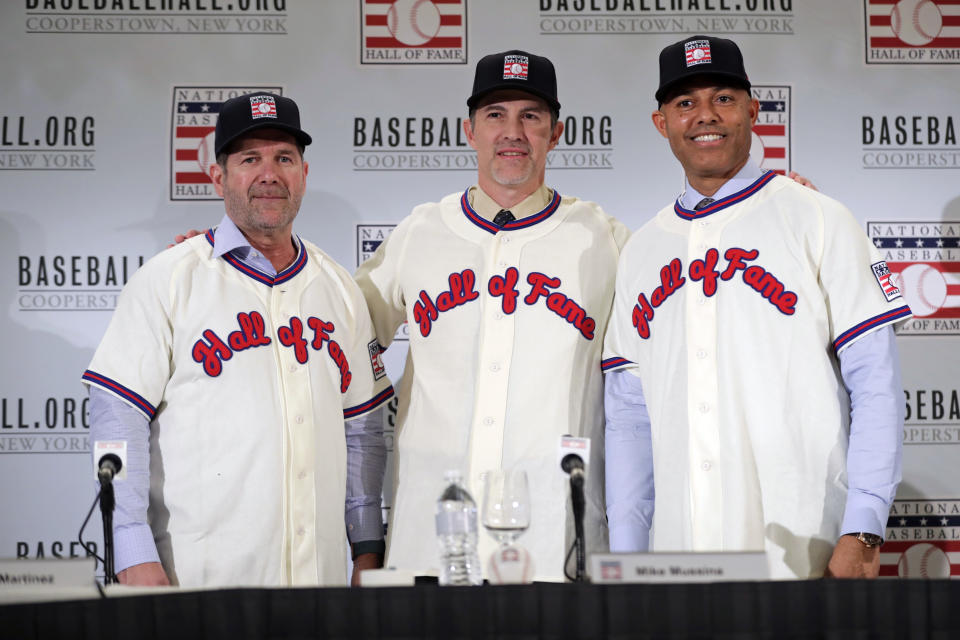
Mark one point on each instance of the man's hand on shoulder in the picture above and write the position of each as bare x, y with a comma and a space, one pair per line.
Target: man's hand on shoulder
362, 562
853, 559
148, 574
799, 179
180, 238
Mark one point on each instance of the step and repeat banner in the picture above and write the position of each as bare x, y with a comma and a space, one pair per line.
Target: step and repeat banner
106, 125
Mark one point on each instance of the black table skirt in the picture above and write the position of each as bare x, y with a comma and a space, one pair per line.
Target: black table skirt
845, 610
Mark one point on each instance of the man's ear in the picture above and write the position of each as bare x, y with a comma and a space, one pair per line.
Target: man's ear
660, 122
216, 176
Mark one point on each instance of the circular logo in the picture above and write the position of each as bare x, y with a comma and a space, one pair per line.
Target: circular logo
413, 22
923, 287
923, 561
516, 68
698, 54
916, 22
263, 108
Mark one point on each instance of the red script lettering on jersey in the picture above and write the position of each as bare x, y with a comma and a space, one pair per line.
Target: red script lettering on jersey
461, 291
706, 272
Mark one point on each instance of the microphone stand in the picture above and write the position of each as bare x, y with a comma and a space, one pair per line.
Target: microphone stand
579, 503
107, 503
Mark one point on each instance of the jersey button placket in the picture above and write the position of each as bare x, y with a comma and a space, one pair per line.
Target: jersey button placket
706, 487
299, 443
496, 347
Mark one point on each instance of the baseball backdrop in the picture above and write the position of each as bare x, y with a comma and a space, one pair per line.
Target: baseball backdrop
106, 131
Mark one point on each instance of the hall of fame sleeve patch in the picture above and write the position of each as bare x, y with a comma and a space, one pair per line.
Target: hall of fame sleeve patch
376, 362
884, 278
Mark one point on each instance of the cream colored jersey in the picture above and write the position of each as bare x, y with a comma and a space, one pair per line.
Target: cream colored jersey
506, 329
733, 316
247, 380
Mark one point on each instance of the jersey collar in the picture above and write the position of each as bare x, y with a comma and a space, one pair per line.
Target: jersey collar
298, 264
723, 203
522, 223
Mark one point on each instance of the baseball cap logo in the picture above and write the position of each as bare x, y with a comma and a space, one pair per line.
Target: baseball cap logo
697, 52
515, 67
262, 107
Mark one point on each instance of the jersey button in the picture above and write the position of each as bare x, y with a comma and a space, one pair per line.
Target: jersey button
704, 407
701, 354
301, 531
293, 368
706, 465
488, 421
495, 367
505, 240
299, 419
301, 475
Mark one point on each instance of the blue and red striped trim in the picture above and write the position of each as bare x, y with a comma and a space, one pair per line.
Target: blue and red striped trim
723, 203
522, 223
260, 276
116, 388
614, 363
868, 325
372, 403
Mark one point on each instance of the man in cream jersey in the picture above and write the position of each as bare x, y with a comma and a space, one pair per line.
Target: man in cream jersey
241, 367
753, 376
506, 286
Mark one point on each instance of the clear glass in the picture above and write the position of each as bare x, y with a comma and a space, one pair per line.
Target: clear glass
506, 504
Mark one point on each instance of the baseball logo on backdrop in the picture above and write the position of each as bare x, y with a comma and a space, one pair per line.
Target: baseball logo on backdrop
922, 540
193, 120
912, 31
413, 32
924, 263
770, 141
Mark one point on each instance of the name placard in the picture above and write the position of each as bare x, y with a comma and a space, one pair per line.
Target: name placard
46, 579
678, 567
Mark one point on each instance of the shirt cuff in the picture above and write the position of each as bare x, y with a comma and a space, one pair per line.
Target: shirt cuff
364, 522
133, 544
368, 546
866, 513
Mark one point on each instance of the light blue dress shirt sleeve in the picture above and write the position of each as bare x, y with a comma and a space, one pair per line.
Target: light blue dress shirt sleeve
871, 372
629, 463
113, 419
366, 462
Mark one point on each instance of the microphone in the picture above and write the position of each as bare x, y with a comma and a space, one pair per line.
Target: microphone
572, 465
108, 467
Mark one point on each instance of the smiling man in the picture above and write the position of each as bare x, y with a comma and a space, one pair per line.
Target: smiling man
507, 287
241, 369
752, 366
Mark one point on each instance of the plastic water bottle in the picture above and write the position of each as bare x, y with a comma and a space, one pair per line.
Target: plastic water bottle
457, 534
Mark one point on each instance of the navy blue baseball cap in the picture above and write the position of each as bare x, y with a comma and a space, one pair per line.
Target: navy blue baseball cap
701, 56
517, 70
243, 114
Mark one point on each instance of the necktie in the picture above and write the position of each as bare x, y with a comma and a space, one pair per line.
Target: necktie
703, 203
503, 217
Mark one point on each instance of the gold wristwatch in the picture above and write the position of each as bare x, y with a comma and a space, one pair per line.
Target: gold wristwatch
869, 540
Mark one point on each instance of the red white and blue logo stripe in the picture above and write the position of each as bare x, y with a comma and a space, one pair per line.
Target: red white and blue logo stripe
260, 276
118, 389
522, 223
723, 203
